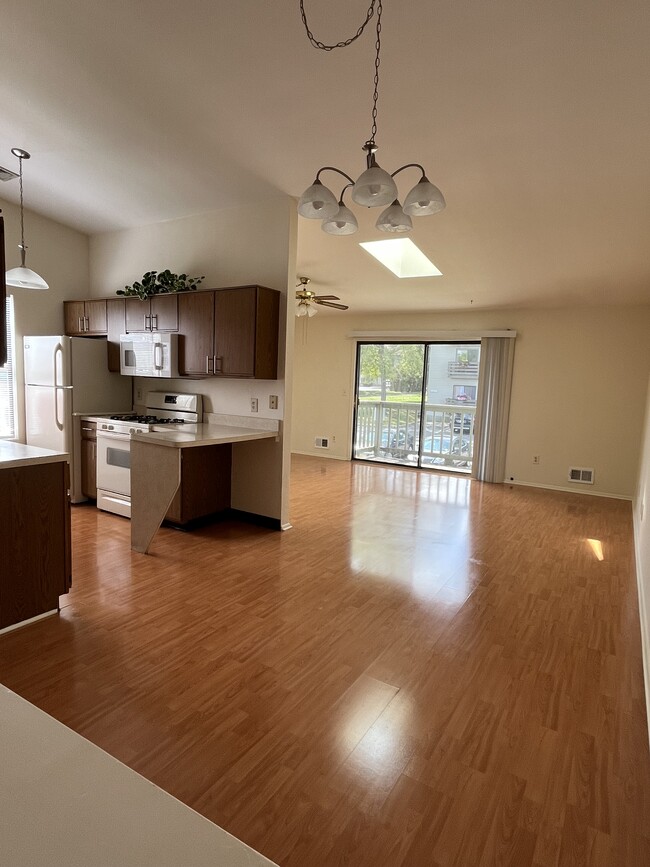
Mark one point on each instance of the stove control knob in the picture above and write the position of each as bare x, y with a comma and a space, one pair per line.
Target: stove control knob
133, 430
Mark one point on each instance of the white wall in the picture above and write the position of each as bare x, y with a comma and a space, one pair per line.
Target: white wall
578, 395
60, 256
642, 539
233, 247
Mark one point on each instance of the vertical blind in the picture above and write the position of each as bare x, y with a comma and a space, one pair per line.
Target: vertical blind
493, 408
8, 378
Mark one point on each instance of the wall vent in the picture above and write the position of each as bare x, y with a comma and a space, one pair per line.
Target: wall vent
322, 442
583, 475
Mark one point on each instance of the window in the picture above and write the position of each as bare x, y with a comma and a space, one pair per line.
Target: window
465, 393
8, 379
468, 355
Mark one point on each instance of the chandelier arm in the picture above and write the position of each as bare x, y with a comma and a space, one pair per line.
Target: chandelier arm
334, 169
409, 166
344, 43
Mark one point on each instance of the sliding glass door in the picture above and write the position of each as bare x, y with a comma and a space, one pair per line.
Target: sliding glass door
415, 404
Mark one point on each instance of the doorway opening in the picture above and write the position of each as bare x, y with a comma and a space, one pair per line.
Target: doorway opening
416, 404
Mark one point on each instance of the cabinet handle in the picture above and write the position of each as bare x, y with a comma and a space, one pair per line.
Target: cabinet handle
218, 364
86, 324
80, 323
209, 359
147, 327
154, 316
87, 428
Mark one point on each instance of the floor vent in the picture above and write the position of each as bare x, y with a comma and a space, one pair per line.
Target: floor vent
322, 443
584, 475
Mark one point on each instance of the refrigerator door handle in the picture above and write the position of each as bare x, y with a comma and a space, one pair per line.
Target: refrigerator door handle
59, 394
58, 357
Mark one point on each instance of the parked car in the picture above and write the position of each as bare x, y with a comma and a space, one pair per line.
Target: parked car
464, 421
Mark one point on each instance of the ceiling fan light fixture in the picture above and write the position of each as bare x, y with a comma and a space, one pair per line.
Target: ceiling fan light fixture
318, 202
394, 220
424, 199
23, 277
343, 222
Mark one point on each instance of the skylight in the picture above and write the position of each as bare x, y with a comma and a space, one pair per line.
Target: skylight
402, 257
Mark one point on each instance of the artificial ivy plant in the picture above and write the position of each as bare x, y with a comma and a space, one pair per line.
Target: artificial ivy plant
155, 283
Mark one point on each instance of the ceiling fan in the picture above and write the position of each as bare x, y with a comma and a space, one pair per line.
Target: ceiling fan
306, 299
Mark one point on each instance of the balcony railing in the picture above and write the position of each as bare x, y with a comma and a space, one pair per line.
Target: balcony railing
392, 432
467, 369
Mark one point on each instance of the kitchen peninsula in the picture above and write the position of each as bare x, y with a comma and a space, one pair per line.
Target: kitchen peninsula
158, 460
34, 532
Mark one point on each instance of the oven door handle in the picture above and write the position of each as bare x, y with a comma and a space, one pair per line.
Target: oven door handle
111, 435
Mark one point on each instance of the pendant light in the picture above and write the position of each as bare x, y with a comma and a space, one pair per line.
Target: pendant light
375, 187
23, 278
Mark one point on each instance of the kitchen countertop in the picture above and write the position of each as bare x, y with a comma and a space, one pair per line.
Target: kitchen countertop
64, 801
206, 434
20, 455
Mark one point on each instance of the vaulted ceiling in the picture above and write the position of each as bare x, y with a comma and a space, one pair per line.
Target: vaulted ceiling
533, 119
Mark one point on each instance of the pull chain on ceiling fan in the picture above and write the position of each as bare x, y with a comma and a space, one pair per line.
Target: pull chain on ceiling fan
306, 299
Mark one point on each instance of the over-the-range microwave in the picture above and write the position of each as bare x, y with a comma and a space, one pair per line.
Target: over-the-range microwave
149, 354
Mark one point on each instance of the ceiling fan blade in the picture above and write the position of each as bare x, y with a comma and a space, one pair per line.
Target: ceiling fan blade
330, 304
326, 298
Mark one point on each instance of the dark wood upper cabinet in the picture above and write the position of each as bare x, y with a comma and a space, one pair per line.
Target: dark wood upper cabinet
85, 318
246, 332
154, 314
196, 333
222, 332
116, 325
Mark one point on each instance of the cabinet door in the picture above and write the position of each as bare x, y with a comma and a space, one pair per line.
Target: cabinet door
89, 468
116, 325
196, 337
95, 313
234, 331
138, 314
74, 313
164, 313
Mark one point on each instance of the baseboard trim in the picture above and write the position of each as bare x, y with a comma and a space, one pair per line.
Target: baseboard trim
29, 620
643, 617
567, 490
319, 453
253, 518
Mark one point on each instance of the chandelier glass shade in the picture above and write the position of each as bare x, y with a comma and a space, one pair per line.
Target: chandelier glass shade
23, 277
375, 187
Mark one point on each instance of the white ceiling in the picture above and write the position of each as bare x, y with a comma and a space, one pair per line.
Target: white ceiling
533, 119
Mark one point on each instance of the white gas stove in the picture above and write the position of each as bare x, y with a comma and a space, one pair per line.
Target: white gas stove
163, 411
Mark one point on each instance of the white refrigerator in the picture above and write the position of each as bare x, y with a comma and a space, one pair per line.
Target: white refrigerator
66, 377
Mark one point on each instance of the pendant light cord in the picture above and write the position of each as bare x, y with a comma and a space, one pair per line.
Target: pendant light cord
323, 47
22, 219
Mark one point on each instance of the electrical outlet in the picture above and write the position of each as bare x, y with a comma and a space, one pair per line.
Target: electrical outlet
273, 401
254, 404
138, 393
535, 459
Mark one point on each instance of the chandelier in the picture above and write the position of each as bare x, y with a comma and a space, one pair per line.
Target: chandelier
23, 278
375, 187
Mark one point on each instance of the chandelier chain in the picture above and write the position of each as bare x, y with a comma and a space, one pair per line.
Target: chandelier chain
344, 43
318, 44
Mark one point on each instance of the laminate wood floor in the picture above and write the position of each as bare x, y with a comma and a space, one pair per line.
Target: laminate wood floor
424, 671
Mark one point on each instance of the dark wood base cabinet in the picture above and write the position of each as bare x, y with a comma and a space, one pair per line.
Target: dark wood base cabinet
205, 483
34, 540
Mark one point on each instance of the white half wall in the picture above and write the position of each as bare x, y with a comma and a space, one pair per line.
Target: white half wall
231, 247
578, 393
642, 545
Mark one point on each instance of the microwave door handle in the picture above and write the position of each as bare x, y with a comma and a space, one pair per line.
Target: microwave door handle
158, 356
